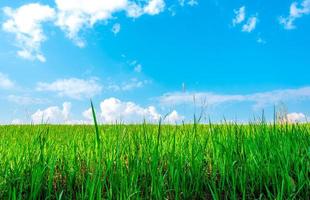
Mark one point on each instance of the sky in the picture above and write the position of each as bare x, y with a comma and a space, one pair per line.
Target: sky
153, 59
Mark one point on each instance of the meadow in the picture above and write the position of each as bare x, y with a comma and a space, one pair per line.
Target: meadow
189, 161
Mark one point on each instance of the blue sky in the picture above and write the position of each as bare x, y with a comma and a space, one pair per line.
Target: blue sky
151, 58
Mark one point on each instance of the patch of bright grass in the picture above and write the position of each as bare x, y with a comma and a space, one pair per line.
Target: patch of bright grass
229, 161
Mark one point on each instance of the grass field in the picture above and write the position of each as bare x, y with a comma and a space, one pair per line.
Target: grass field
255, 161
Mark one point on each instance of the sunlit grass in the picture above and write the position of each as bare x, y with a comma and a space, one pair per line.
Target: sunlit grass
229, 161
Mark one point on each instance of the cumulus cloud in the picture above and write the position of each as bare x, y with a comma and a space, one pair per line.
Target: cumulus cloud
154, 7
73, 88
5, 82
259, 99
26, 24
239, 16
88, 115
113, 110
173, 117
296, 117
74, 15
296, 11
52, 115
134, 10
250, 25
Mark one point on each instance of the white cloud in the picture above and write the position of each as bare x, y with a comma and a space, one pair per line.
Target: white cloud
25, 100
74, 15
154, 7
17, 122
128, 85
5, 82
250, 25
261, 40
26, 23
296, 11
240, 16
138, 68
133, 84
71, 16
52, 115
73, 88
173, 117
87, 114
172, 10
178, 98
182, 2
296, 117
116, 28
192, 2
134, 10
259, 99
113, 110
188, 2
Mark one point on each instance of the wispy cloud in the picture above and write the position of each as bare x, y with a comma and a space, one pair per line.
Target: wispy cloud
260, 40
128, 85
74, 88
6, 82
258, 99
239, 16
116, 28
138, 68
250, 25
188, 2
25, 100
192, 2
296, 11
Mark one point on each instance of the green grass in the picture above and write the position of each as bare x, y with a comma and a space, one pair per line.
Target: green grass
255, 161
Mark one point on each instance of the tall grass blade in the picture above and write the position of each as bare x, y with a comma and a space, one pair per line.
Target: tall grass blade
95, 122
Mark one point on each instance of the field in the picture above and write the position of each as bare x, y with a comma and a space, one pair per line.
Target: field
228, 161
